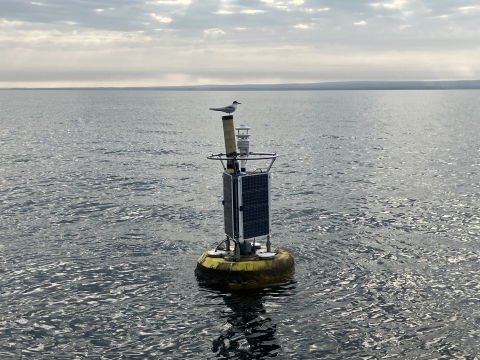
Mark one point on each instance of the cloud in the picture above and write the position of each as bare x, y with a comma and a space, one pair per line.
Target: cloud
78, 32
397, 4
174, 2
252, 11
165, 65
214, 32
162, 19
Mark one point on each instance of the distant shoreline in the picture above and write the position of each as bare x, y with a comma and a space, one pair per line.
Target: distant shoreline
343, 85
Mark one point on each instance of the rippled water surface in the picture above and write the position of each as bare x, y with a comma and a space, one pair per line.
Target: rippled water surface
107, 200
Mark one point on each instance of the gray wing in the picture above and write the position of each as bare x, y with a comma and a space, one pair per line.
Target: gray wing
227, 109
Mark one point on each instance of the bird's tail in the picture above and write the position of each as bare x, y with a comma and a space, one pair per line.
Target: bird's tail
215, 109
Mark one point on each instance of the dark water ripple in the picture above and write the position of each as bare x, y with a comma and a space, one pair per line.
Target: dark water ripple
107, 200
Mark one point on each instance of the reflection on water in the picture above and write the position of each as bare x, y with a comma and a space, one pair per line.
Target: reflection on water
248, 330
249, 334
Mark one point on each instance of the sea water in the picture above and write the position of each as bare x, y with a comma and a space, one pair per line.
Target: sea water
107, 200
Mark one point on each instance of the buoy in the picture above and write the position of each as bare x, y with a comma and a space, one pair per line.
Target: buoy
240, 261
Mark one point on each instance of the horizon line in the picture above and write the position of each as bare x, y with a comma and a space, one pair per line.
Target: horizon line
332, 85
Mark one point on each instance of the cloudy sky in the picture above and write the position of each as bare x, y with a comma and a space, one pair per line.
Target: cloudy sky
188, 42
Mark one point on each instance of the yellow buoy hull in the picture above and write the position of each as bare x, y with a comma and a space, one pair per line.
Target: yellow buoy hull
256, 273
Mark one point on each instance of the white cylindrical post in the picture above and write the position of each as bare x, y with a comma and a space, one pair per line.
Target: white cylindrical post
243, 144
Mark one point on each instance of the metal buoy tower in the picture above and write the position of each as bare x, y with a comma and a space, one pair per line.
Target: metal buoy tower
240, 260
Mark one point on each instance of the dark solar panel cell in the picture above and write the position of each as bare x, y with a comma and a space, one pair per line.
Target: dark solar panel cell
228, 205
255, 205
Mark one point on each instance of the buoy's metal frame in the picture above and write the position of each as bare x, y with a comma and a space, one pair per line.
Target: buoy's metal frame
235, 156
252, 156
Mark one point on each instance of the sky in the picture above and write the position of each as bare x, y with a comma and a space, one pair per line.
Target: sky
63, 43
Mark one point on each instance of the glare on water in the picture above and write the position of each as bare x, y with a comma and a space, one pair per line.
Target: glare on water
107, 200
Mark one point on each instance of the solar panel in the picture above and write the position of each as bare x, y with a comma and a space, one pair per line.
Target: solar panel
228, 205
254, 196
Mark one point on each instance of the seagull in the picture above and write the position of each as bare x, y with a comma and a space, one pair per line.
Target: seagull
228, 109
